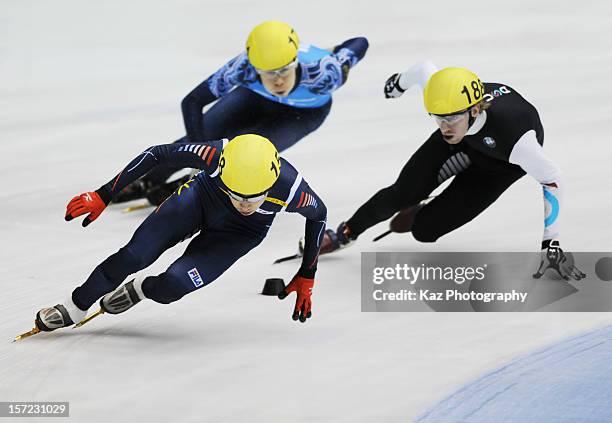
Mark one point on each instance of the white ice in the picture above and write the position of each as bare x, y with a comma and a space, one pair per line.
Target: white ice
85, 86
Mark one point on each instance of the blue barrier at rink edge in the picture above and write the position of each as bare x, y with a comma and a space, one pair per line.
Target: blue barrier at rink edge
568, 382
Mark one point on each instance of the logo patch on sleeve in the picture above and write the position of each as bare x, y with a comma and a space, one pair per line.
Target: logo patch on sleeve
489, 142
195, 277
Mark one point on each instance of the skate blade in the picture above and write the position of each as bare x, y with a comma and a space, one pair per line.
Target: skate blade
34, 331
381, 236
136, 207
88, 318
283, 259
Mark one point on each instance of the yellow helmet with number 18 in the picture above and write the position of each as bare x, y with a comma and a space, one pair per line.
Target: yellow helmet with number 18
272, 45
249, 165
452, 90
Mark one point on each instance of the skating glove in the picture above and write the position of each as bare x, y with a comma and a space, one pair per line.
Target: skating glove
392, 86
553, 257
303, 303
88, 202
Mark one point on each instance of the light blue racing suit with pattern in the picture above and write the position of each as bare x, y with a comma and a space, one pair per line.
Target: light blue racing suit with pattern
242, 105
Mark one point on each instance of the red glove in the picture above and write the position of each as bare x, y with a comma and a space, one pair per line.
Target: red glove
303, 304
89, 202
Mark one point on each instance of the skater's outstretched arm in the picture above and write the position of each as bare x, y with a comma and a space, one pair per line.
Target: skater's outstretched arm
417, 74
306, 202
357, 46
530, 156
235, 72
331, 72
192, 106
204, 156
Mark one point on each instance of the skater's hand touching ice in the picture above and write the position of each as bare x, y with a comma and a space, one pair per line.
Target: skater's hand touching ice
303, 303
554, 258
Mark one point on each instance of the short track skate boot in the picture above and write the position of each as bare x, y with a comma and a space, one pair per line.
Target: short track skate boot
333, 241
59, 316
134, 191
158, 194
329, 242
123, 298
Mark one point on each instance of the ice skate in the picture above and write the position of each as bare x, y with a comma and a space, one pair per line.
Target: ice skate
118, 301
134, 191
51, 318
59, 316
123, 298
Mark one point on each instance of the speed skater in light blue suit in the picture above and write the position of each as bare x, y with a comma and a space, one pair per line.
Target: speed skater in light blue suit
277, 88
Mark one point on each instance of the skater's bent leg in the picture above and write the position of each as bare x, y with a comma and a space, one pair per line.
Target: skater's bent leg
468, 195
381, 206
177, 219
224, 119
206, 258
418, 178
232, 114
289, 125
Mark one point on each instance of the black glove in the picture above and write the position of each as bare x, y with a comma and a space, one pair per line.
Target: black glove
392, 87
554, 258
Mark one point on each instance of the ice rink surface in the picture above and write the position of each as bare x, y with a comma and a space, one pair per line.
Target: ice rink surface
86, 86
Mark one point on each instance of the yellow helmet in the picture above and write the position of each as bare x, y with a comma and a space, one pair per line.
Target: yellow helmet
451, 90
249, 165
272, 45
